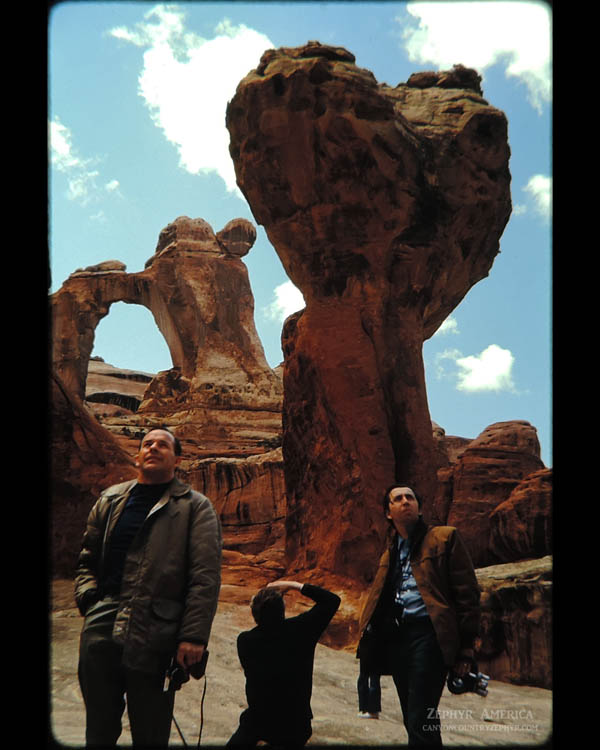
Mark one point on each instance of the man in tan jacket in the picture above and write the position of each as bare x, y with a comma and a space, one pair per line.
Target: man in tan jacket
147, 582
421, 615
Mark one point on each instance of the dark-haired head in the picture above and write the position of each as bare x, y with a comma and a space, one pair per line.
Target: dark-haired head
386, 496
162, 428
268, 607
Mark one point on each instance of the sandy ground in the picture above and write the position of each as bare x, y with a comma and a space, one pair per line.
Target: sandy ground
510, 716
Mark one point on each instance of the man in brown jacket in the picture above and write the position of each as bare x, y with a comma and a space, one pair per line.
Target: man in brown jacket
421, 616
147, 582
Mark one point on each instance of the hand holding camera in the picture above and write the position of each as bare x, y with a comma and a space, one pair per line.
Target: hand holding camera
472, 682
176, 675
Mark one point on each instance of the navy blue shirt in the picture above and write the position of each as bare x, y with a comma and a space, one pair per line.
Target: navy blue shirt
142, 499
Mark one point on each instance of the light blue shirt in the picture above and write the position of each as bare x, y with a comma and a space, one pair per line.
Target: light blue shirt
407, 592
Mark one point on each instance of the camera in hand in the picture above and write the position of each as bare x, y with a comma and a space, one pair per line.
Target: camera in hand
473, 682
176, 675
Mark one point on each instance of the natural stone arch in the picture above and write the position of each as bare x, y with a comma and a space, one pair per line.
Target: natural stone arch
83, 301
197, 289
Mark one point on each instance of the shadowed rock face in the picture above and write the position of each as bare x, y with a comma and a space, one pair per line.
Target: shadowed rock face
386, 206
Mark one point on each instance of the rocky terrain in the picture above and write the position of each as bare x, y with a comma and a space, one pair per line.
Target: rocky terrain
385, 206
509, 716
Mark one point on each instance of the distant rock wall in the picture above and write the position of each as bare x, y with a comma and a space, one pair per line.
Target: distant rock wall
497, 479
517, 637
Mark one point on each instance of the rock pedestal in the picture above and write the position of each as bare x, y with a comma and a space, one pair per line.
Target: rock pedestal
385, 206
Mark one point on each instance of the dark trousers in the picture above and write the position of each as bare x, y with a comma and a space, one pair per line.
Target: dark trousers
248, 734
107, 686
419, 674
369, 691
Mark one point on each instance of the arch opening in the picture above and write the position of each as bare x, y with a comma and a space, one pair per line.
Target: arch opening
129, 350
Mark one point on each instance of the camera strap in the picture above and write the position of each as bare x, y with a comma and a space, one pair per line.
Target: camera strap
201, 718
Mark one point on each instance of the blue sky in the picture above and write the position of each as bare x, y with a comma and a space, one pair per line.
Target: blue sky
137, 137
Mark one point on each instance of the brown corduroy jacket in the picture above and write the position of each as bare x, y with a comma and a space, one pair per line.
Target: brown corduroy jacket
447, 583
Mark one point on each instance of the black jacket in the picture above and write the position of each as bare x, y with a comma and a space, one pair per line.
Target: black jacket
278, 664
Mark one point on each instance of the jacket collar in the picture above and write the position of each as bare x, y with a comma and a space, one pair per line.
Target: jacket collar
416, 536
176, 488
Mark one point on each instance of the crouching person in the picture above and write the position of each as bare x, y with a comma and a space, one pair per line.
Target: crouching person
277, 657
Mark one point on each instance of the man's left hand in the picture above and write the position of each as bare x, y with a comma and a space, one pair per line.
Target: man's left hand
462, 667
189, 653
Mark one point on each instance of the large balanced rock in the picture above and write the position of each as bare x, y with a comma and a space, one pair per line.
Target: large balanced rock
385, 205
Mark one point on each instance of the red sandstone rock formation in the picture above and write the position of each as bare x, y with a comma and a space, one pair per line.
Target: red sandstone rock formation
521, 527
484, 476
516, 613
386, 206
84, 460
249, 495
107, 386
433, 148
197, 288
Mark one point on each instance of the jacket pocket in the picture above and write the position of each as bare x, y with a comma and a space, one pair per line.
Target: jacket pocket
165, 617
101, 614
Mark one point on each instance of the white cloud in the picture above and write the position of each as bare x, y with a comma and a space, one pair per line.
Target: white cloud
288, 300
489, 371
481, 34
451, 354
448, 326
540, 189
61, 146
82, 178
187, 81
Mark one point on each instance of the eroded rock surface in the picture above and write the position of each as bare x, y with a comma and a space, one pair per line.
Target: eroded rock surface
516, 614
483, 478
197, 288
385, 205
521, 526
84, 460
